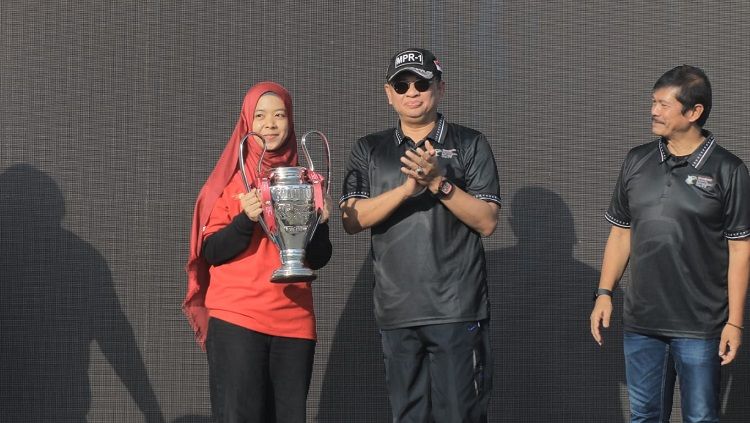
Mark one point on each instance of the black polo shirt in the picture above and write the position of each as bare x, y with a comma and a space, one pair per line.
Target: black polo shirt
681, 212
429, 266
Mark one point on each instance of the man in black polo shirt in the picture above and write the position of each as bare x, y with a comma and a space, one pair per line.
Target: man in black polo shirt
681, 215
428, 190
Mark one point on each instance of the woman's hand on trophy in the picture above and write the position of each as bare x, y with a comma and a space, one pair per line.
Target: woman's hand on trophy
251, 204
326, 212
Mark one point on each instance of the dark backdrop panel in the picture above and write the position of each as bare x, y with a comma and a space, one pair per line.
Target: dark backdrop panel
112, 114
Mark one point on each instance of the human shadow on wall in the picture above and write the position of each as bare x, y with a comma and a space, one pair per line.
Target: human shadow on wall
193, 419
547, 366
56, 298
353, 388
736, 378
736, 384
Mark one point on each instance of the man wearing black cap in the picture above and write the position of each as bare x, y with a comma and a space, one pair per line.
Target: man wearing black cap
428, 190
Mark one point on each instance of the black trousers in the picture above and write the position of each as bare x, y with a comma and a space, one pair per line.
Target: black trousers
438, 373
256, 377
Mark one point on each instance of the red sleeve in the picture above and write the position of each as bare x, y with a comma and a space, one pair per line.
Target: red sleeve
225, 209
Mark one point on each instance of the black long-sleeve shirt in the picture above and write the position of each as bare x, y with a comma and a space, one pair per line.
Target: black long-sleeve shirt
231, 240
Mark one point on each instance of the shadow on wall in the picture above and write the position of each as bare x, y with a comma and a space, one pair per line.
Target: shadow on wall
736, 384
353, 387
193, 419
57, 298
547, 366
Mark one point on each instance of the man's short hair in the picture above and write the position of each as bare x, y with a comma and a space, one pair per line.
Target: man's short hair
694, 89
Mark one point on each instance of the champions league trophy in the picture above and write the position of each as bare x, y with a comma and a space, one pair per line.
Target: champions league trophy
292, 199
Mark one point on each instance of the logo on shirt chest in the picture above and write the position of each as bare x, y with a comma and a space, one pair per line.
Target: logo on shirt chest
446, 154
701, 181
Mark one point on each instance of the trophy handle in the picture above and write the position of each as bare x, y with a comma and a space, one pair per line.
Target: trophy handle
241, 158
268, 227
310, 164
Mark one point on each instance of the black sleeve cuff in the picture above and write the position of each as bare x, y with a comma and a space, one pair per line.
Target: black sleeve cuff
319, 250
229, 241
243, 224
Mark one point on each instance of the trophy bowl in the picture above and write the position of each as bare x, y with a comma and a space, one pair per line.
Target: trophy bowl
292, 200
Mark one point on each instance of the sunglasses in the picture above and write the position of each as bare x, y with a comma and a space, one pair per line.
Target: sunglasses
421, 85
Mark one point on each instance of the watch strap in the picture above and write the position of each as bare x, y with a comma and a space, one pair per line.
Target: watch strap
602, 291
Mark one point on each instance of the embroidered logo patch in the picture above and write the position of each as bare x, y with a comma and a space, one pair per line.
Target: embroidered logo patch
409, 58
446, 154
700, 181
437, 65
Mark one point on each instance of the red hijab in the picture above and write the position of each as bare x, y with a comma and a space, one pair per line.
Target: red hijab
197, 268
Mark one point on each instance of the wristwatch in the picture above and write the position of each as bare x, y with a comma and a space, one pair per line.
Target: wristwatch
602, 291
444, 189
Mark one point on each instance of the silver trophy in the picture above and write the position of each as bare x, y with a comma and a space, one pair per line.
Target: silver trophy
292, 200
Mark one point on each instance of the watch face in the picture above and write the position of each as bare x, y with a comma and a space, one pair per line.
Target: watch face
446, 187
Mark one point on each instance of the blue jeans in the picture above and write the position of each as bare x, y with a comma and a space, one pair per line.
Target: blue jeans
651, 365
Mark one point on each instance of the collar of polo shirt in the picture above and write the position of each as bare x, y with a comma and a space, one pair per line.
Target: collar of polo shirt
698, 157
436, 135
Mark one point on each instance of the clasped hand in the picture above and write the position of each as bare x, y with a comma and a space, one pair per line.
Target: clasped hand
422, 168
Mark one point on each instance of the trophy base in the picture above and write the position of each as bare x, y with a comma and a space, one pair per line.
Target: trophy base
293, 275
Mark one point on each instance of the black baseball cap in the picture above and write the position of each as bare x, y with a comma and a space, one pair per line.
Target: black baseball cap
417, 60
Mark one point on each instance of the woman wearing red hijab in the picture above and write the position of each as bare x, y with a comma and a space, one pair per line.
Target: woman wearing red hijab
260, 336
